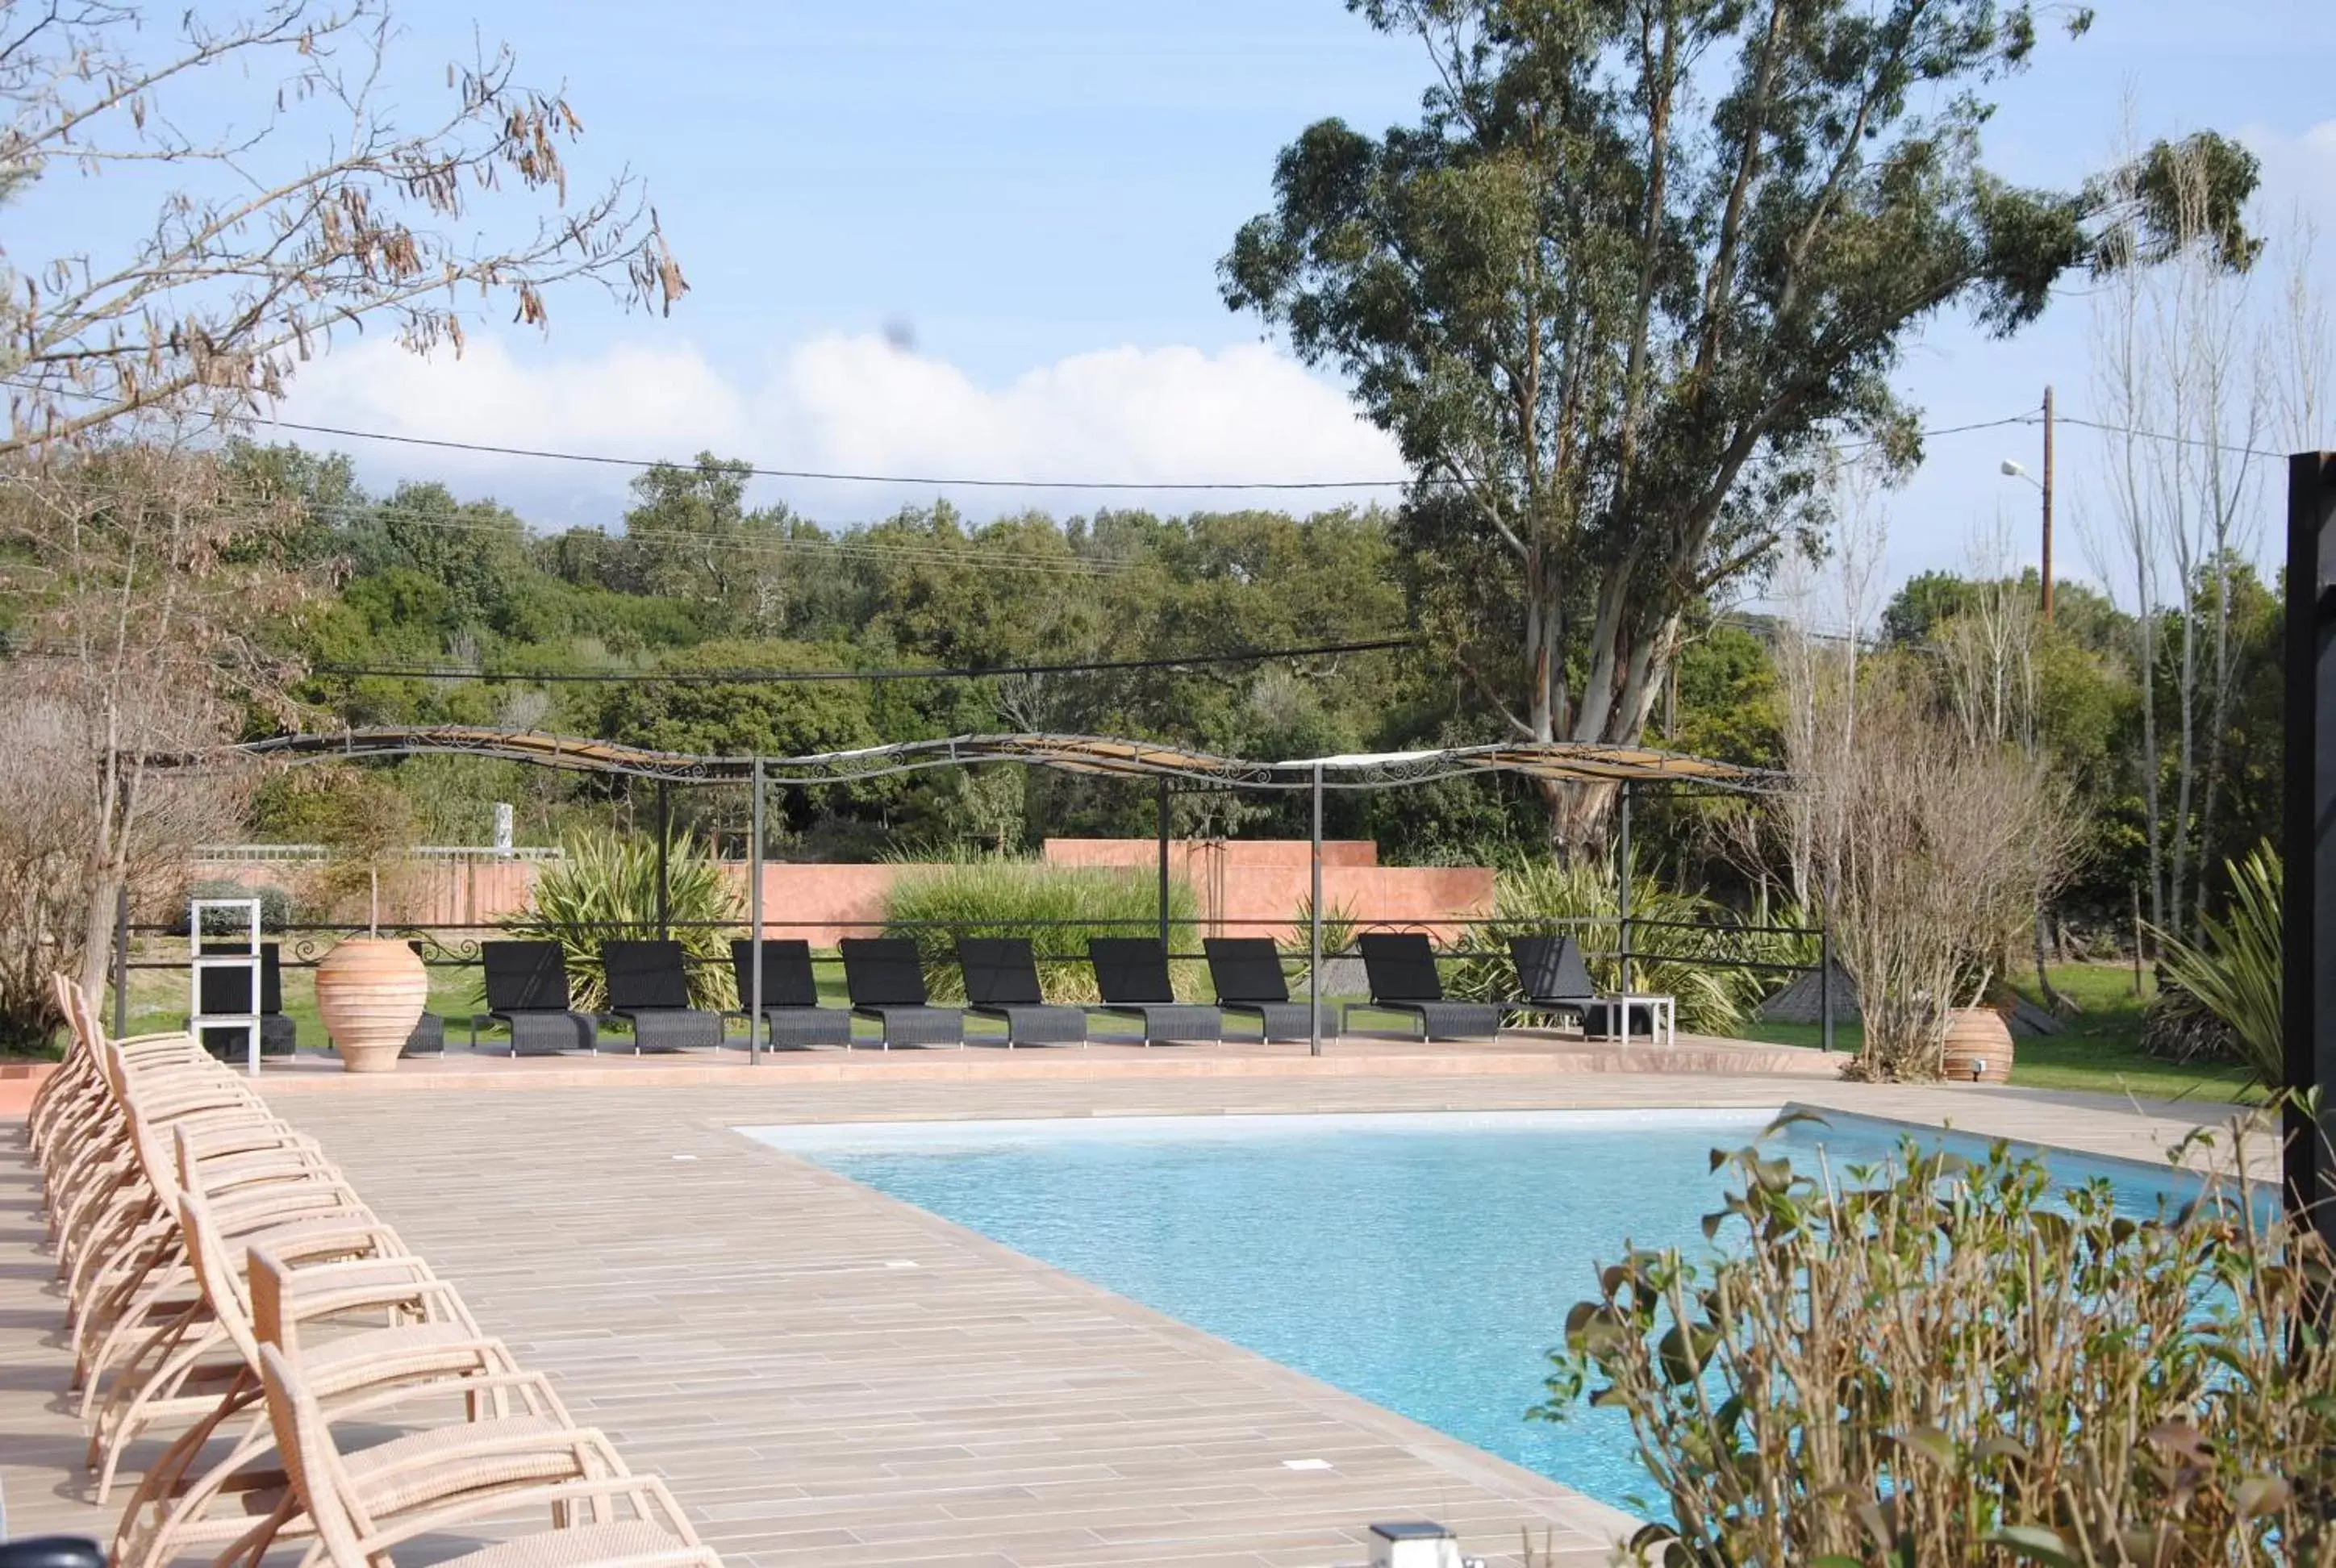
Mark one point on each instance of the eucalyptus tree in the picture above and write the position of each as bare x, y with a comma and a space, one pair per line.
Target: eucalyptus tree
1636, 272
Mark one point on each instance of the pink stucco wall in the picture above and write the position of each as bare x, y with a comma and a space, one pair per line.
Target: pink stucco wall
1244, 887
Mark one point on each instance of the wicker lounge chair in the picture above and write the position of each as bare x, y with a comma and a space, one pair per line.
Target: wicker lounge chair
1131, 977
1247, 974
886, 982
229, 990
527, 990
1402, 969
1552, 977
649, 988
1554, 980
1001, 982
792, 1016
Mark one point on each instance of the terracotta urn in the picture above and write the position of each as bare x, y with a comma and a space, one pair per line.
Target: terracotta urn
370, 992
1978, 1047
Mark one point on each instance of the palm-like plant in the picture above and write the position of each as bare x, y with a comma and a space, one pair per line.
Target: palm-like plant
604, 888
1696, 966
2233, 969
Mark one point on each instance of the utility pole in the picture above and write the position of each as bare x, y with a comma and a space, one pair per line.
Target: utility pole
2048, 502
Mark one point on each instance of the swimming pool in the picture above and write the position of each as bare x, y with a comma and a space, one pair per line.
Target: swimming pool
1425, 1263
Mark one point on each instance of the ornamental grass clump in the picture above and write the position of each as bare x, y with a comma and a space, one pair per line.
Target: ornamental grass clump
1683, 943
1055, 908
1941, 1360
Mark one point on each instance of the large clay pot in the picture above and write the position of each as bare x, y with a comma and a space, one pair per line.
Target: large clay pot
370, 992
1978, 1047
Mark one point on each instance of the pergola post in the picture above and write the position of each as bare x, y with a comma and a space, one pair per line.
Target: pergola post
664, 876
1622, 888
1164, 862
754, 920
1314, 926
2308, 899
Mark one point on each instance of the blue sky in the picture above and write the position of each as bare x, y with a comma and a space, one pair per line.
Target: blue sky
1038, 191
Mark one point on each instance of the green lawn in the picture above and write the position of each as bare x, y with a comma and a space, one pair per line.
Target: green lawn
2100, 1049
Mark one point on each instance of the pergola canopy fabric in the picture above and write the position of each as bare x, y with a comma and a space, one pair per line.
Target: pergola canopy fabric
1575, 761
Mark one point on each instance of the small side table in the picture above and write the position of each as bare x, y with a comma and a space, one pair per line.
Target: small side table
1662, 1016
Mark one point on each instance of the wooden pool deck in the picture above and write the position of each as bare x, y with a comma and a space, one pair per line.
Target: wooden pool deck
826, 1375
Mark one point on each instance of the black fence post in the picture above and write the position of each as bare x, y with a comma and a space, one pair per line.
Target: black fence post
664, 873
122, 960
1622, 885
1824, 978
1163, 864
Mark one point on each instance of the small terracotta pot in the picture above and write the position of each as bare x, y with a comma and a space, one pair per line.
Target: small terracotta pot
370, 992
1977, 1046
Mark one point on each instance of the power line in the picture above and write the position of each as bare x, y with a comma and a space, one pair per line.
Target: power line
842, 478
2133, 430
796, 677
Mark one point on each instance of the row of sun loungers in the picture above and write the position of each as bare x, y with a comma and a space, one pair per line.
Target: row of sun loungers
528, 992
229, 1296
885, 983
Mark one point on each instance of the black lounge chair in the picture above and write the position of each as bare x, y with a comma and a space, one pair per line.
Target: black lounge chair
1553, 979
1402, 969
886, 982
649, 988
1001, 982
527, 992
791, 1015
228, 990
1247, 974
1131, 977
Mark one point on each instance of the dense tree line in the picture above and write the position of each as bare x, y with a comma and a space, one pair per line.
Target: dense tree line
698, 581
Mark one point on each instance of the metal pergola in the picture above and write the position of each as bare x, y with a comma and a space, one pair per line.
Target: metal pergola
1576, 762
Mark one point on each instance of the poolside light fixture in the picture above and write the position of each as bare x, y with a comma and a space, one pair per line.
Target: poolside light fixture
1415, 1544
1306, 1464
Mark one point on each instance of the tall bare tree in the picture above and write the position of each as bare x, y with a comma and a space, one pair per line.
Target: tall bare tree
299, 204
292, 201
2180, 379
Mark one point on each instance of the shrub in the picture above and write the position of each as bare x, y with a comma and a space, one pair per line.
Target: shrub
1578, 900
1942, 1360
605, 887
2176, 1027
275, 908
2233, 970
993, 896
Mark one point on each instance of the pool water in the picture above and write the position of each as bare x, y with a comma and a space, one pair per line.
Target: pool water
1424, 1262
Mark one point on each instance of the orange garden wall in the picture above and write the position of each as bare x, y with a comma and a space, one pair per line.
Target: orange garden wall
1235, 883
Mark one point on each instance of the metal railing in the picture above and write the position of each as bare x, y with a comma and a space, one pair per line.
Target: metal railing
449, 945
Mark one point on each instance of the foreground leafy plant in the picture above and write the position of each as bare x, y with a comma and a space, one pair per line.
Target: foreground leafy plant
1944, 1361
604, 888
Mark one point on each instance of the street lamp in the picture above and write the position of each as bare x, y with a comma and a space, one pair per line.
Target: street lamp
2013, 469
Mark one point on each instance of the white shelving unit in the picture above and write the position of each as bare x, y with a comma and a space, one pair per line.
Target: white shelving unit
200, 962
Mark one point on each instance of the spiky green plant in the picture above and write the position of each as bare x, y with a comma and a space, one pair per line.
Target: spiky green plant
1579, 900
997, 896
604, 888
2233, 969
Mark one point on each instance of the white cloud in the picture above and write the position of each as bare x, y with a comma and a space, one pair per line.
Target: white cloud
853, 404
